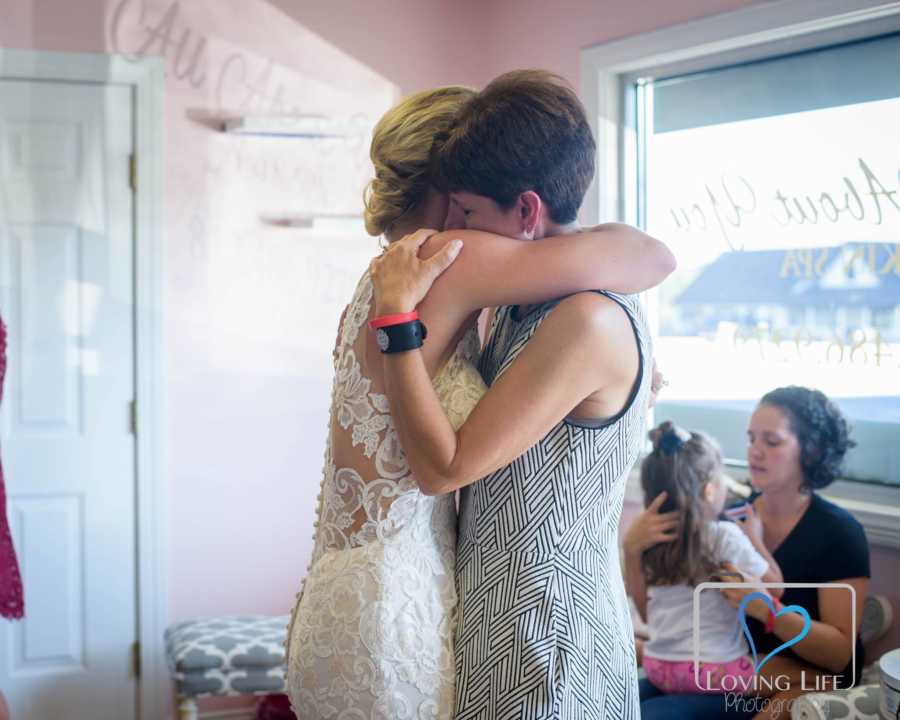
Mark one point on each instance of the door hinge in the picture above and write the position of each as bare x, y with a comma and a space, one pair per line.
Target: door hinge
132, 417
132, 172
135, 668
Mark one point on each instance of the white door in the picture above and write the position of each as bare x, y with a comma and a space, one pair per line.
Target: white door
65, 434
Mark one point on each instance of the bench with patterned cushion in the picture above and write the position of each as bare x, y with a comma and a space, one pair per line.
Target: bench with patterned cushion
225, 656
860, 702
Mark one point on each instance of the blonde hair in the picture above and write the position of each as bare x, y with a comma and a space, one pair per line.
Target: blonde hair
401, 153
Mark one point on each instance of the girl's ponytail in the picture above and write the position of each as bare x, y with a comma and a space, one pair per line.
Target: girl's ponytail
681, 464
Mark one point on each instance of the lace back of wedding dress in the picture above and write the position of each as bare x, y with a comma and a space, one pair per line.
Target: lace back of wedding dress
367, 490
371, 634
365, 471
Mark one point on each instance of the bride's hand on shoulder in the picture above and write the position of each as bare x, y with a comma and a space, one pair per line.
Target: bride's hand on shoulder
401, 280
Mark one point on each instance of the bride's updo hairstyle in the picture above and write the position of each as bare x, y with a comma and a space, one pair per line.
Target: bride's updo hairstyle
401, 153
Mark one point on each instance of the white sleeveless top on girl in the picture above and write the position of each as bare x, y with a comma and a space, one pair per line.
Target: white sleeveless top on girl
371, 634
670, 608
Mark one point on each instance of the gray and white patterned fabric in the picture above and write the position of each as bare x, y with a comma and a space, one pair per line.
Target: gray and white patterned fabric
227, 655
859, 703
878, 615
544, 623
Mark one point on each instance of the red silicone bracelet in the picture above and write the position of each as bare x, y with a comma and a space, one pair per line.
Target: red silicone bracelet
396, 319
770, 623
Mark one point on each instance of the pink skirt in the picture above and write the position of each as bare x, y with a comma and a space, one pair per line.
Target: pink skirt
677, 676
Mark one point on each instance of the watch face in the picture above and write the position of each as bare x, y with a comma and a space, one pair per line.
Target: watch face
381, 337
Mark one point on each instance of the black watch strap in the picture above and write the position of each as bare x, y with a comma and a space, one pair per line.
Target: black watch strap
401, 337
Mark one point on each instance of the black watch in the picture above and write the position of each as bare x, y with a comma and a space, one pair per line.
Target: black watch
402, 337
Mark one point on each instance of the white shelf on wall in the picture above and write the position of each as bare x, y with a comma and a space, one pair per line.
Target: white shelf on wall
320, 222
295, 126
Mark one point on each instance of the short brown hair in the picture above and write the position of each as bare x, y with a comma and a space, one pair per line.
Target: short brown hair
527, 130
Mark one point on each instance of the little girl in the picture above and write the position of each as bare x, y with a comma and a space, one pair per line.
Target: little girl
683, 478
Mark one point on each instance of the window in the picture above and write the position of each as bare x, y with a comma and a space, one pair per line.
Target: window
764, 150
886, 319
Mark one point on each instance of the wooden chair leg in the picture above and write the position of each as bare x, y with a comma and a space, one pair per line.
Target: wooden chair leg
187, 709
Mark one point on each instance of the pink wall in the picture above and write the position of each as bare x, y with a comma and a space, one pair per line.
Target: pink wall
412, 43
415, 44
550, 35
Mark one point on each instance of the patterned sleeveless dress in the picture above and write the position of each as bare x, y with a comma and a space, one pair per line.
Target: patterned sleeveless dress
371, 635
544, 624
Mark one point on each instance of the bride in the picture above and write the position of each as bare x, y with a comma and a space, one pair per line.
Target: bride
371, 634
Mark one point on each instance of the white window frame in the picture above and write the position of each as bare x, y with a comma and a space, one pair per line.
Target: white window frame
608, 73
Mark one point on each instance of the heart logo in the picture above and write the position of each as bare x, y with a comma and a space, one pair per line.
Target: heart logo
742, 614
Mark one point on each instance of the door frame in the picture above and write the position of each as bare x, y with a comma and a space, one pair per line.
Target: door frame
146, 79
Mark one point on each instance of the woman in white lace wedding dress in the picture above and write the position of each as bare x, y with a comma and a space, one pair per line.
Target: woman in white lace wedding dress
373, 630
371, 635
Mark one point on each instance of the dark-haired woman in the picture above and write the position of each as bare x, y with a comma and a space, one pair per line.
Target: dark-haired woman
796, 443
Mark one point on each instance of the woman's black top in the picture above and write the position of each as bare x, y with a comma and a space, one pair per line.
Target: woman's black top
827, 544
